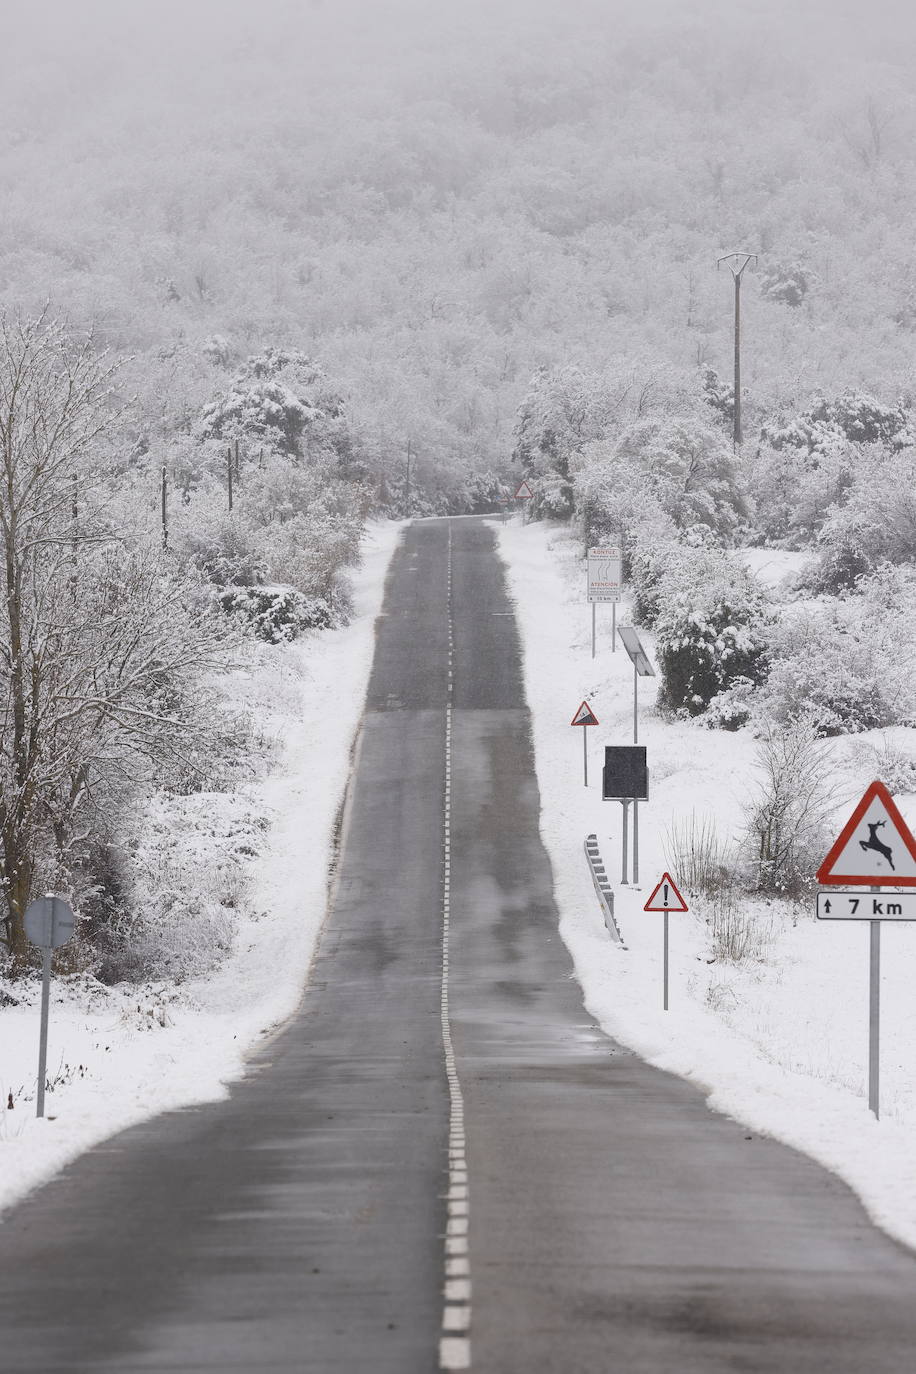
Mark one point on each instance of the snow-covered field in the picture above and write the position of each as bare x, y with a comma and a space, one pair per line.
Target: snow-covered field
778, 1042
118, 1055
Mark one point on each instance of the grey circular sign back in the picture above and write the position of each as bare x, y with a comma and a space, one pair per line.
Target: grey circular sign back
49, 922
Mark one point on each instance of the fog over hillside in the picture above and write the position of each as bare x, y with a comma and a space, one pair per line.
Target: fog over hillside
436, 199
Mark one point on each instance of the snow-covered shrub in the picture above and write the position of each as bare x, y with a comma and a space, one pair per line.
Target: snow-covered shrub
712, 630
787, 283
733, 708
615, 504
183, 875
856, 417
739, 932
292, 522
277, 614
697, 855
220, 545
648, 562
792, 491
567, 408
552, 497
485, 492
851, 662
719, 396
688, 465
841, 561
875, 524
217, 350
787, 818
890, 762
819, 666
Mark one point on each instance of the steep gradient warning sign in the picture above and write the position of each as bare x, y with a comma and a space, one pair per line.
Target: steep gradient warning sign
585, 716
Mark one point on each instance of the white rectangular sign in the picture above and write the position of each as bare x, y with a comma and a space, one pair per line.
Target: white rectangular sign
604, 574
866, 906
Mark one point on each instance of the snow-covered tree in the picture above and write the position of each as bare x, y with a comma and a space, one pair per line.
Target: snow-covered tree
688, 464
281, 400
97, 636
855, 416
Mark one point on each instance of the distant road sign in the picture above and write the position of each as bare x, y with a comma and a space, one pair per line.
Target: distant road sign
604, 576
585, 716
875, 847
666, 897
626, 773
866, 906
49, 922
523, 492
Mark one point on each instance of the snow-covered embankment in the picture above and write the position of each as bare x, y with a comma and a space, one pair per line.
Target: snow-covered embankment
778, 1042
118, 1055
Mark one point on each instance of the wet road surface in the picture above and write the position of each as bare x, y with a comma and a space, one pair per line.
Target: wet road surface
615, 1224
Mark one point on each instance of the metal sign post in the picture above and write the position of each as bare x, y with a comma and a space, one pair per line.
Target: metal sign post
625, 779
43, 1032
665, 963
874, 847
604, 584
665, 898
49, 923
635, 802
625, 803
585, 716
874, 1016
641, 668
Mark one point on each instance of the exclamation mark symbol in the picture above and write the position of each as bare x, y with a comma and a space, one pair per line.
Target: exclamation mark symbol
665, 900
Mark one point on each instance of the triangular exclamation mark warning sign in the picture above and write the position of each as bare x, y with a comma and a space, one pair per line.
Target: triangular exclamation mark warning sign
666, 897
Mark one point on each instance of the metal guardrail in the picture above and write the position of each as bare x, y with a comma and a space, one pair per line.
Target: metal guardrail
603, 888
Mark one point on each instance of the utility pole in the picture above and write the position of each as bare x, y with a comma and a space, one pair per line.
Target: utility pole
407, 485
229, 474
165, 509
738, 264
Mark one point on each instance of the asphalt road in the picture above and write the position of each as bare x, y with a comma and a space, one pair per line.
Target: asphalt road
615, 1224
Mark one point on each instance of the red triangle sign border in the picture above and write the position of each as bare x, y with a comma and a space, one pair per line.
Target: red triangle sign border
830, 879
681, 906
592, 718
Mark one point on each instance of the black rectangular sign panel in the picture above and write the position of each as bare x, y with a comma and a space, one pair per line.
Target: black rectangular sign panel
626, 773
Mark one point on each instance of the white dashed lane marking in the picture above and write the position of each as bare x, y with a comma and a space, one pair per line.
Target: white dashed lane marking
454, 1348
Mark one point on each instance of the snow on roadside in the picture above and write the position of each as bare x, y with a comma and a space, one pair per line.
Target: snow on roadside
779, 1043
118, 1055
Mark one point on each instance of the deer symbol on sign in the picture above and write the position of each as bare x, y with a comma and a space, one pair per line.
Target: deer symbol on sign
874, 843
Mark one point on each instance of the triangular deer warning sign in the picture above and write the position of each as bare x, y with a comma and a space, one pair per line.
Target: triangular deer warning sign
523, 492
874, 848
585, 716
666, 897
